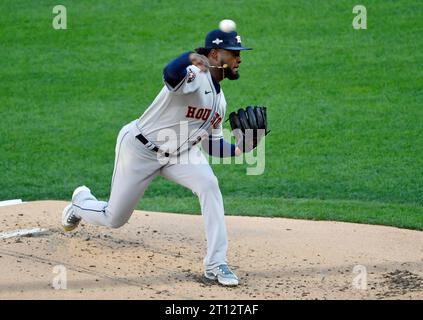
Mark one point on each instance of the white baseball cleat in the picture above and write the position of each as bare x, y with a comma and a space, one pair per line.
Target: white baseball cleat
69, 219
223, 275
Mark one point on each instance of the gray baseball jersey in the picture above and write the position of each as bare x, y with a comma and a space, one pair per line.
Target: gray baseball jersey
180, 117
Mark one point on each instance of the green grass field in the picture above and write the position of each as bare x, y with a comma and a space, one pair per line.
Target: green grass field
345, 106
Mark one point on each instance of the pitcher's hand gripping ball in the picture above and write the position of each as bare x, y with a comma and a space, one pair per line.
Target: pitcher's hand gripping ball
249, 126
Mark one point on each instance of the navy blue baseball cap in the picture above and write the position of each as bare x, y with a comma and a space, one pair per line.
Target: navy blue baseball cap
218, 39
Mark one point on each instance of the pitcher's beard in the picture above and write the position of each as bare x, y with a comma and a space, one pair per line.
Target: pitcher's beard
229, 74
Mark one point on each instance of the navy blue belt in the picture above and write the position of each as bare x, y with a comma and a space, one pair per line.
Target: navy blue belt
144, 140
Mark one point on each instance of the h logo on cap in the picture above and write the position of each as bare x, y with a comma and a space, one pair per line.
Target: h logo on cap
217, 41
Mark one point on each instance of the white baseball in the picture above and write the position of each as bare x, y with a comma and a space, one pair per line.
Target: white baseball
227, 25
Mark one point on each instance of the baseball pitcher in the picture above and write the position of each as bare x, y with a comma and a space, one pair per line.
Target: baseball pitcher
163, 141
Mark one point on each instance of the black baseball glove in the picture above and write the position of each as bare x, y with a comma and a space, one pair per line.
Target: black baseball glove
249, 126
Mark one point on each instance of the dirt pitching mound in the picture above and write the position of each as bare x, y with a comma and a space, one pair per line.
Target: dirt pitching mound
159, 256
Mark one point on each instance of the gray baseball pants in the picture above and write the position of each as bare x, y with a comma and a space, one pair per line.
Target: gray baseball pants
135, 167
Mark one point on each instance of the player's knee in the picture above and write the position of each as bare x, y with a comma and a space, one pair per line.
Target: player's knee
209, 184
116, 219
115, 224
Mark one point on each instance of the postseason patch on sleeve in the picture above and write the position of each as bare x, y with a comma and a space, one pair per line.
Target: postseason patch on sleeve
191, 75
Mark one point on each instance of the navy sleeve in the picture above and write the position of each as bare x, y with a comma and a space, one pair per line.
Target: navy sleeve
219, 148
175, 71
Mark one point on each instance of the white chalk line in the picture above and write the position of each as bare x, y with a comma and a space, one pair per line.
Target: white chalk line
22, 233
10, 202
